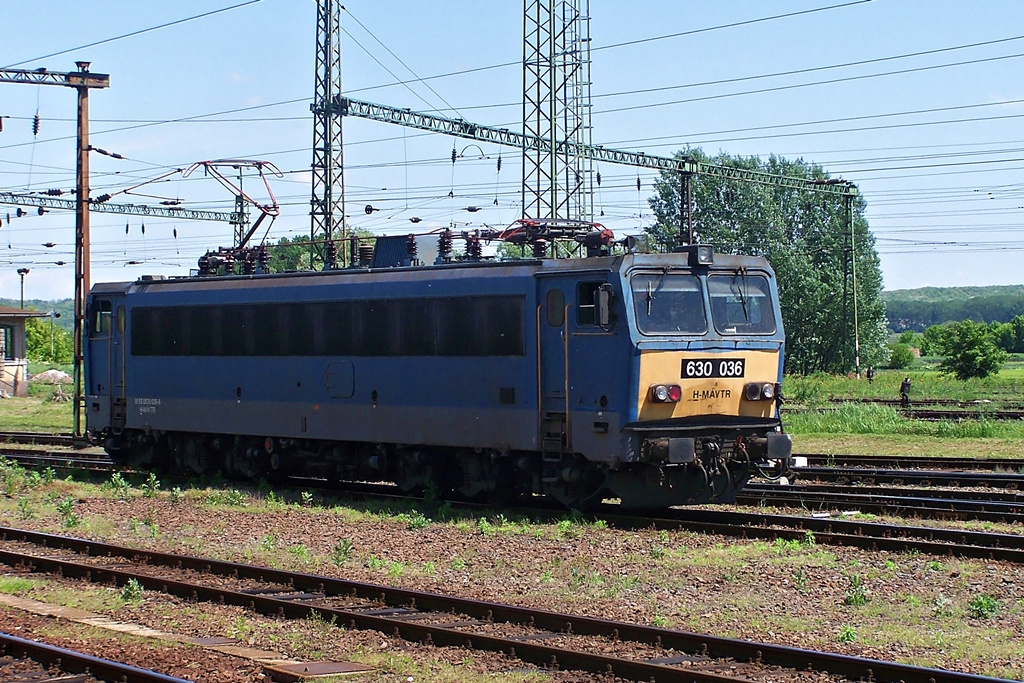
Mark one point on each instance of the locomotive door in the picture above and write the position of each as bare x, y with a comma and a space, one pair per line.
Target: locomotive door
106, 359
553, 368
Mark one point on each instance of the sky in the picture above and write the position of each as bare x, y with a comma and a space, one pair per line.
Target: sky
918, 102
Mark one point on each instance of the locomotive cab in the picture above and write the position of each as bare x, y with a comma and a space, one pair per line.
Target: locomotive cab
708, 344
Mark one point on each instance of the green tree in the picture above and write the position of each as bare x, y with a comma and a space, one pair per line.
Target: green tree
47, 343
290, 254
900, 356
806, 237
909, 338
1009, 336
933, 340
970, 351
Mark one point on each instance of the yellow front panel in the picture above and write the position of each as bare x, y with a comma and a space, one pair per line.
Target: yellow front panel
711, 396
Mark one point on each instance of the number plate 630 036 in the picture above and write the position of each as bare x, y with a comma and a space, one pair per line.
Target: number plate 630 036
699, 368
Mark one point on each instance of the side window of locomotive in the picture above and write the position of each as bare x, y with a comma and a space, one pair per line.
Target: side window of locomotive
586, 309
101, 314
741, 303
555, 304
668, 303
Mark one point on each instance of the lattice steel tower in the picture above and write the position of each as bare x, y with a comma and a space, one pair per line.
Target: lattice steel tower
557, 107
327, 207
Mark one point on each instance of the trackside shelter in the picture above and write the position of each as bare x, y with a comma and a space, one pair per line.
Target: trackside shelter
13, 365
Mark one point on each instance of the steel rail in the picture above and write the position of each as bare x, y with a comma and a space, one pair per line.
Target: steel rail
908, 461
59, 460
917, 506
36, 438
398, 621
829, 531
944, 494
74, 662
913, 477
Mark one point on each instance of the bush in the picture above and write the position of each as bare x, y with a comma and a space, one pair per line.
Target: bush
900, 356
970, 351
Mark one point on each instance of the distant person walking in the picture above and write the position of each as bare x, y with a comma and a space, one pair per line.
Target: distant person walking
905, 392
870, 374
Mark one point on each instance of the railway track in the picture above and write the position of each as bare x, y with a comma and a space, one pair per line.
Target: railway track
36, 438
917, 503
1008, 508
828, 531
897, 477
937, 414
84, 667
1007, 403
912, 462
58, 460
539, 637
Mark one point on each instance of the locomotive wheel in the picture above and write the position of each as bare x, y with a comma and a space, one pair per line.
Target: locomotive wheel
191, 452
577, 484
487, 477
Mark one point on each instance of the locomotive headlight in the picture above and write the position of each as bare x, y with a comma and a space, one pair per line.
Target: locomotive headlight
759, 391
705, 254
666, 393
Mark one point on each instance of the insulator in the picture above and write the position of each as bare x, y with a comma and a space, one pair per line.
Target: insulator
263, 256
444, 245
410, 247
454, 155
365, 255
330, 255
638, 183
1, 124
35, 125
474, 249
100, 199
126, 228
540, 248
353, 250
175, 233
204, 264
499, 163
19, 213
143, 228
54, 193
40, 211
598, 178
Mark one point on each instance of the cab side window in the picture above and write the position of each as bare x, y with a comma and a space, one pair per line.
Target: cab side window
586, 310
101, 316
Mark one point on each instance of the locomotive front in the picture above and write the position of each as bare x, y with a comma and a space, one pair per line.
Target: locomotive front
707, 370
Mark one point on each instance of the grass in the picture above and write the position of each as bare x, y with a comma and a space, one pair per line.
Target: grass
36, 413
858, 418
818, 389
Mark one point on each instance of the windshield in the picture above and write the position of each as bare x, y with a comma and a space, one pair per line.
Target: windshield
669, 303
741, 303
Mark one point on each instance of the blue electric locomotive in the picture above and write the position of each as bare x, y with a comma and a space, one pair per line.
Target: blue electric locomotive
652, 378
